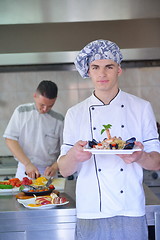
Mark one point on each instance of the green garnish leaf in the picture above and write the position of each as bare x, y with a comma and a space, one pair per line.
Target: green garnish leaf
106, 127
102, 131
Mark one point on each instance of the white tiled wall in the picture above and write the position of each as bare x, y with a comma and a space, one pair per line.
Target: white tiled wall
18, 88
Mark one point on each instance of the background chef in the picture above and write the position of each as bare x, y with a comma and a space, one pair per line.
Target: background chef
34, 133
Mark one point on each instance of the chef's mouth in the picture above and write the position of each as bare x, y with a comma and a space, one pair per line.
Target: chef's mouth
103, 81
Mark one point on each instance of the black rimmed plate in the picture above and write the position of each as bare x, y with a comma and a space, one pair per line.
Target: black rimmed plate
37, 193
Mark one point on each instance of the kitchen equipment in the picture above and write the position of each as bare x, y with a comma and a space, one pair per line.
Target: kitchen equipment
29, 187
49, 181
151, 178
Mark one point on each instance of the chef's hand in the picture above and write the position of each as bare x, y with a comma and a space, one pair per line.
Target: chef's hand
32, 171
51, 170
77, 153
135, 156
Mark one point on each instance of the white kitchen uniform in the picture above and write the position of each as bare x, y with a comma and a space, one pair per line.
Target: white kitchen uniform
40, 135
106, 185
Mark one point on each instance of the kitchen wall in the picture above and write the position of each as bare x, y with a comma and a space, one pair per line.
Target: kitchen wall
18, 87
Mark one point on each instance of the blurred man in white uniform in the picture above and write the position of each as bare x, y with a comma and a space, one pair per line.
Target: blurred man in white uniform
34, 133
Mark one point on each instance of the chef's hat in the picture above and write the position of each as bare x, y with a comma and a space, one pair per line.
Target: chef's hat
99, 49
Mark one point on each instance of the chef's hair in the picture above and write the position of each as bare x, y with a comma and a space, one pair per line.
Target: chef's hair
47, 89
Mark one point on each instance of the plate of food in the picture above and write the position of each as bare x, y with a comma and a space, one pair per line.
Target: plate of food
9, 190
10, 186
37, 192
114, 151
112, 145
45, 202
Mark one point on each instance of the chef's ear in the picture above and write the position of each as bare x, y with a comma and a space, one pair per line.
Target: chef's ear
35, 95
119, 70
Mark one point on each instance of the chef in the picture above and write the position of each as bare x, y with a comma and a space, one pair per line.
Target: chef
34, 133
109, 194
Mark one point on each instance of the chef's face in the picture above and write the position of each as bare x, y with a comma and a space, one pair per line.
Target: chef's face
43, 104
104, 74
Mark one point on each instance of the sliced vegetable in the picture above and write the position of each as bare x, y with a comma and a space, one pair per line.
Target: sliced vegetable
51, 186
15, 182
4, 186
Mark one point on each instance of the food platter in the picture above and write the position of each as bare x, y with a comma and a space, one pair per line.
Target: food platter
40, 193
110, 151
25, 203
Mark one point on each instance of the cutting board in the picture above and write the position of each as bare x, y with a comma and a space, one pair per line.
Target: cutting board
59, 183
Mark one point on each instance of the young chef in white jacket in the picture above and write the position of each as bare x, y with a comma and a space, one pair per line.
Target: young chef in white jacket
34, 133
109, 193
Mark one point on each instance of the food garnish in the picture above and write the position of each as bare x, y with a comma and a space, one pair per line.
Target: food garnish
106, 128
112, 142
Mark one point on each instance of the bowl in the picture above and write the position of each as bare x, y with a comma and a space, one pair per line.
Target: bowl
37, 193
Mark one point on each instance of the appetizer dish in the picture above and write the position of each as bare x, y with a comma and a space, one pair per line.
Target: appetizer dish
39, 187
111, 142
44, 202
112, 145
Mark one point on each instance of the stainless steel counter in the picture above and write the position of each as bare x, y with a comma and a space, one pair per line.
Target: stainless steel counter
19, 223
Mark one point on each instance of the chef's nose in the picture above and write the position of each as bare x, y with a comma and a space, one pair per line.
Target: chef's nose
102, 72
44, 108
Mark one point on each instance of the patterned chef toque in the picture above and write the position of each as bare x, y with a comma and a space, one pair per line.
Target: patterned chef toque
99, 49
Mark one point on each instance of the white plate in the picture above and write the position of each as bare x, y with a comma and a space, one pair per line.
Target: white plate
108, 151
25, 203
12, 190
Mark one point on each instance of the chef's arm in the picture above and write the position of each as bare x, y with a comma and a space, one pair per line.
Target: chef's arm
149, 161
18, 152
68, 164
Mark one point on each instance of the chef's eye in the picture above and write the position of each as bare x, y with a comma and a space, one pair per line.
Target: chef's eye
94, 67
110, 66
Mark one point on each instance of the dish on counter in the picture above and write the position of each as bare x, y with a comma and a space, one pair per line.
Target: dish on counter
25, 203
37, 193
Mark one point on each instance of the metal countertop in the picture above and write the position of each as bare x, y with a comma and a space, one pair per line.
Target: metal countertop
9, 204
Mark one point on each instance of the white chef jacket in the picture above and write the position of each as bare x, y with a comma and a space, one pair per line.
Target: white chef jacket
39, 135
106, 185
